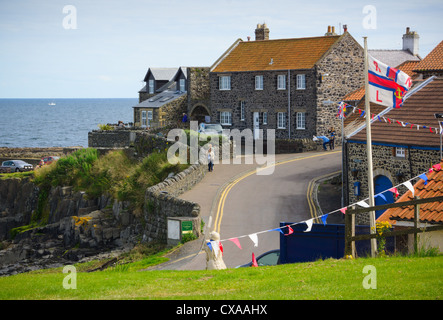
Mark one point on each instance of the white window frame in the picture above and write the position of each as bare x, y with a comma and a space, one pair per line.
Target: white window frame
281, 120
258, 82
143, 120
242, 110
301, 82
265, 117
225, 118
301, 121
281, 82
400, 152
151, 86
224, 82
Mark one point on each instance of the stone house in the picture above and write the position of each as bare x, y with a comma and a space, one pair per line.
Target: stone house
163, 102
285, 84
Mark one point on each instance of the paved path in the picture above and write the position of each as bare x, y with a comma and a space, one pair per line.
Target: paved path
235, 201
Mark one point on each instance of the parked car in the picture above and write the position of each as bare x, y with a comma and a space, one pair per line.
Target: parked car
270, 258
211, 128
47, 160
17, 165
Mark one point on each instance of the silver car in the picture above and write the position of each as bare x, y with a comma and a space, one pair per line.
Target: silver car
17, 165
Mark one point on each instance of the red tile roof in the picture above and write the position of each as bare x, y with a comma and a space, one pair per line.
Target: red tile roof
429, 212
282, 54
433, 61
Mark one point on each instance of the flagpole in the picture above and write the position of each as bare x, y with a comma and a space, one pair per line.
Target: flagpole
369, 154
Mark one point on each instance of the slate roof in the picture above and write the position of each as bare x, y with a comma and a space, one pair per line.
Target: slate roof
161, 74
418, 109
280, 54
160, 99
393, 58
433, 61
429, 212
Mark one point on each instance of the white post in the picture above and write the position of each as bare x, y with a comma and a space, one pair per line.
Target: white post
369, 154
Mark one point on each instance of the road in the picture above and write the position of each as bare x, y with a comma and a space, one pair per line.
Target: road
252, 203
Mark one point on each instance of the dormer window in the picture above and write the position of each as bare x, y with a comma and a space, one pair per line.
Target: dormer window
151, 86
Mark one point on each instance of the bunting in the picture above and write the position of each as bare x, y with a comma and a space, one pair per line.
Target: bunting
403, 124
309, 222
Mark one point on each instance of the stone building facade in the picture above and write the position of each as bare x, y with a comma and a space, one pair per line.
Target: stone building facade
284, 84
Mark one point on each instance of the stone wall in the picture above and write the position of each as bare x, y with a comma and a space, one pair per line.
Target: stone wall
117, 138
416, 162
338, 73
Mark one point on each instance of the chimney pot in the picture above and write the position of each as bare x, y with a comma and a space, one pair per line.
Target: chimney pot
345, 28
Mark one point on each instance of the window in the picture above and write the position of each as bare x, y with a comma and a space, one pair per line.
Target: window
242, 111
281, 82
281, 120
400, 152
150, 115
265, 118
143, 122
151, 86
301, 82
225, 82
301, 120
182, 85
258, 82
225, 118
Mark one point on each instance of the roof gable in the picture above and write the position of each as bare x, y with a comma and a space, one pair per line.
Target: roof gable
281, 54
161, 74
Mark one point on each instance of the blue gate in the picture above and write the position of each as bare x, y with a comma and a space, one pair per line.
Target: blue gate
323, 241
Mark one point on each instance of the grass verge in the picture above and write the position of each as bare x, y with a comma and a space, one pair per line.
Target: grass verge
397, 278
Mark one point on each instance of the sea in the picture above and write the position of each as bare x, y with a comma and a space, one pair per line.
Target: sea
58, 122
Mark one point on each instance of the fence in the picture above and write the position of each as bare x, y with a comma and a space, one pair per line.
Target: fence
350, 236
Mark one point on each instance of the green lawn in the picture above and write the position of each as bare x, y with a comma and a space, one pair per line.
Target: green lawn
397, 278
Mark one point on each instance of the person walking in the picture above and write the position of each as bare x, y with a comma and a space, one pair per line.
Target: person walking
211, 157
331, 138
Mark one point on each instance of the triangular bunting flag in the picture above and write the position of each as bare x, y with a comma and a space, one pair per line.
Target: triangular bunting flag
408, 184
235, 240
381, 196
309, 223
363, 204
424, 177
394, 191
278, 229
290, 230
254, 239
343, 210
323, 218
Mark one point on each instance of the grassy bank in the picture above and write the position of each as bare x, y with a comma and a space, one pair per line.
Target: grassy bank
397, 278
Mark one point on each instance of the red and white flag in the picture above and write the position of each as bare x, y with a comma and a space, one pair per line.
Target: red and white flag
387, 86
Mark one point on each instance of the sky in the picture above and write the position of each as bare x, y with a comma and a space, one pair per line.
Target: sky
103, 49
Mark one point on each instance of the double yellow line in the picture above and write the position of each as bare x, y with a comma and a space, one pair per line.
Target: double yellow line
227, 189
310, 192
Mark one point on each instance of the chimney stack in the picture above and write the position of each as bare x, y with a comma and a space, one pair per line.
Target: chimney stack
410, 41
262, 32
331, 31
